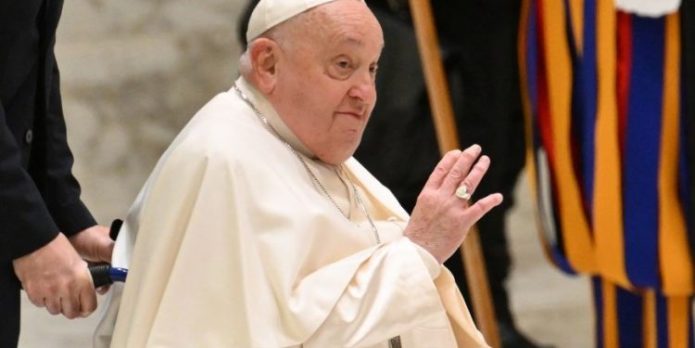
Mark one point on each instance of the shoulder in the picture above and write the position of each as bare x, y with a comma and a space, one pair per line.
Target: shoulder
225, 133
224, 129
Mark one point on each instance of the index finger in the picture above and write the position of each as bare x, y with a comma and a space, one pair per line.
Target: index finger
87, 297
442, 169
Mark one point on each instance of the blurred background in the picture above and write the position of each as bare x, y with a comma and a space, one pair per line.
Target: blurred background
134, 72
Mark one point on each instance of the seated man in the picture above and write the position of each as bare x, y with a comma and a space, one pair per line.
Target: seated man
258, 229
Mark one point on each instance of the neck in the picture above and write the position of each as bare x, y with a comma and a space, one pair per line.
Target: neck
265, 110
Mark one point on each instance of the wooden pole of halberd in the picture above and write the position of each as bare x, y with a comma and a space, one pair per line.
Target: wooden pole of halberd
445, 125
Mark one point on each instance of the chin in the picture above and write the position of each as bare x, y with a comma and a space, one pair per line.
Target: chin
334, 160
338, 155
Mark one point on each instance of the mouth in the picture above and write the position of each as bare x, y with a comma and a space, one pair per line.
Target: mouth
356, 115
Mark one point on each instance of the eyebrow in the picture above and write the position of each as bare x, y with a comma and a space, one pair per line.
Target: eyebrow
353, 41
356, 42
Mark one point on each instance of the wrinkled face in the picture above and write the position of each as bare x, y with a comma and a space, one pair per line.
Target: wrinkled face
325, 89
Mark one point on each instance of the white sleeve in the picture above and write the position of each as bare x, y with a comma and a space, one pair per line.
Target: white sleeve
390, 293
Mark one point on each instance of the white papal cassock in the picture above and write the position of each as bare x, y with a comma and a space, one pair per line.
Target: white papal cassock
231, 243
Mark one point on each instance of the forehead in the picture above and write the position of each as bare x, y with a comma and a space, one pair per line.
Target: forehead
345, 22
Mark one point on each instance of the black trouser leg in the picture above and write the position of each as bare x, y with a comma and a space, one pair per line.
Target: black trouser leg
688, 74
9, 307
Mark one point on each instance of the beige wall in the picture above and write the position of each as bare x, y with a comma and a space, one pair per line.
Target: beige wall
133, 73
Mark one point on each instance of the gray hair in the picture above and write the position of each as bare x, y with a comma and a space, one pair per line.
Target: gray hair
285, 34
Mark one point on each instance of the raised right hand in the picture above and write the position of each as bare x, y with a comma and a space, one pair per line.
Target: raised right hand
55, 277
440, 220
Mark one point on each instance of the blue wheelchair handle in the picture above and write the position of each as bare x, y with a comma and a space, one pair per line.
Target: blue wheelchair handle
104, 274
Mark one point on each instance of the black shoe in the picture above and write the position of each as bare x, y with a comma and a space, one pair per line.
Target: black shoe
513, 338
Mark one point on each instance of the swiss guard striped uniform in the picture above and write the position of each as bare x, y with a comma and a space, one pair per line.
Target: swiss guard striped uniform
610, 100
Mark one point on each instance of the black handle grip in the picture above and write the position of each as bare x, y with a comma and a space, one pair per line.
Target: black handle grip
101, 274
115, 228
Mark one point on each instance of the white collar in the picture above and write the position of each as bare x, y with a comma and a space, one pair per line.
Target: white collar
268, 111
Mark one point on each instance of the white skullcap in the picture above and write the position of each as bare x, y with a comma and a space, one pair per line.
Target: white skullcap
269, 13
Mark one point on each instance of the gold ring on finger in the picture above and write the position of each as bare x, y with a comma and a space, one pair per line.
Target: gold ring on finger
462, 192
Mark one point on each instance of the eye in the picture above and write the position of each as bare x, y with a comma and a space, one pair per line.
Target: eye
341, 68
343, 64
373, 69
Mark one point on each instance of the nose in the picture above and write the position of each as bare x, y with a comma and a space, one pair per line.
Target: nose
363, 89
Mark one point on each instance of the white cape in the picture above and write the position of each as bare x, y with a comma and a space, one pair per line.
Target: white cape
236, 247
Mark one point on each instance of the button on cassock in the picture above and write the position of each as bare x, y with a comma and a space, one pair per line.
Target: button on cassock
29, 137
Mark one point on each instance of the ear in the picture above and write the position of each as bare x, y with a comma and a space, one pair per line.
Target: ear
264, 58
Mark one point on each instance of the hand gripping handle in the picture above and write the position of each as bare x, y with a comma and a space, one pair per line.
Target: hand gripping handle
103, 273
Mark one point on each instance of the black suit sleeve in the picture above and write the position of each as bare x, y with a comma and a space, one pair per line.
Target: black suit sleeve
59, 188
25, 222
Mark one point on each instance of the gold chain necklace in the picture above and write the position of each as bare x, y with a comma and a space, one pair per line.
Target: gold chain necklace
313, 176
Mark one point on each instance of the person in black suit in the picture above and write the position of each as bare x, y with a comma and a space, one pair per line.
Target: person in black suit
44, 226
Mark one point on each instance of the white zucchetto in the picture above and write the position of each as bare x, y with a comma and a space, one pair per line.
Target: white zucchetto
269, 13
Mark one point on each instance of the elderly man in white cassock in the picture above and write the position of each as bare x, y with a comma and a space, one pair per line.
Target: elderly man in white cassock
257, 228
